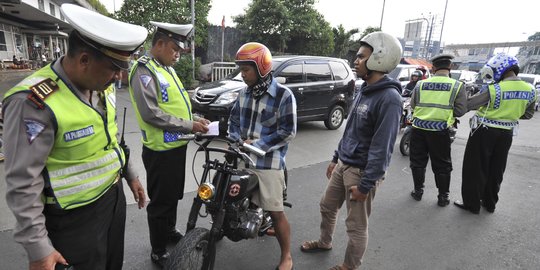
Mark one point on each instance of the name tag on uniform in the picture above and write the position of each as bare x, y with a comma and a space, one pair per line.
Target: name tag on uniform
78, 134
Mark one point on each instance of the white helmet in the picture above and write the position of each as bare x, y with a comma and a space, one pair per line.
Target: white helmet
386, 51
494, 69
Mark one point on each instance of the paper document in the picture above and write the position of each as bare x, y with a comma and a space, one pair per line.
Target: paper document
213, 128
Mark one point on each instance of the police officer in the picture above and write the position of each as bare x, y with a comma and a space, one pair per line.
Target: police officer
436, 102
63, 160
163, 112
496, 120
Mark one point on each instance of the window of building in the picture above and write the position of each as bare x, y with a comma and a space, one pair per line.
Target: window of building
3, 45
53, 9
41, 5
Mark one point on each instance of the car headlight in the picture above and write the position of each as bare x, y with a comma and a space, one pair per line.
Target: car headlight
227, 98
206, 191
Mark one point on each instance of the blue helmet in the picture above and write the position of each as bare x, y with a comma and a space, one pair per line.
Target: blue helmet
497, 65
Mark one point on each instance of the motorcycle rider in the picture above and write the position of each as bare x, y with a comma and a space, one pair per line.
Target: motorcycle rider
415, 77
264, 115
492, 127
436, 102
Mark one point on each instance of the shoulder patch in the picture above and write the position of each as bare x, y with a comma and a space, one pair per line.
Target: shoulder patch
41, 91
33, 129
143, 59
145, 80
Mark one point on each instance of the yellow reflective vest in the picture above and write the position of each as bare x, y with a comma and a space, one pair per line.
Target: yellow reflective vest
508, 102
86, 159
172, 99
434, 101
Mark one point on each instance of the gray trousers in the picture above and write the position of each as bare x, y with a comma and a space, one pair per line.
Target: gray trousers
337, 192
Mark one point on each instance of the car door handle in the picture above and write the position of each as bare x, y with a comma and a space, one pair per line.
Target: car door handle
300, 89
331, 87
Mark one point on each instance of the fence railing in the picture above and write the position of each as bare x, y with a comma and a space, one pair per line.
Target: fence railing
222, 69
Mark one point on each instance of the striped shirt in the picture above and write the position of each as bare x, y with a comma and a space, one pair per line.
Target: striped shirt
270, 122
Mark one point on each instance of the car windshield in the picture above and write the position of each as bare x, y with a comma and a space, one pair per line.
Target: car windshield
394, 73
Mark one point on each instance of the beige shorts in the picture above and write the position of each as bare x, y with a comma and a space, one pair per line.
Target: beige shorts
271, 185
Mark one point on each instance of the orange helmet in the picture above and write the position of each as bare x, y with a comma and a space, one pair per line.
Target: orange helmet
257, 53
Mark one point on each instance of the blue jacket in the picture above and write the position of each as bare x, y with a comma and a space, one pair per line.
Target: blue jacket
371, 130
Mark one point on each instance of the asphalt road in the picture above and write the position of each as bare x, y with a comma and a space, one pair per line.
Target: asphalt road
404, 234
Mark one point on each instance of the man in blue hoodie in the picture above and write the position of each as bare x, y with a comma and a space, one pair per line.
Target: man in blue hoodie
363, 155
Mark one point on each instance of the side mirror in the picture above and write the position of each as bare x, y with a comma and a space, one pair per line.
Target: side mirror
281, 80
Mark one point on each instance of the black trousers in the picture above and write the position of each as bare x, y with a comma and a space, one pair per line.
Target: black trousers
165, 177
92, 236
434, 145
484, 164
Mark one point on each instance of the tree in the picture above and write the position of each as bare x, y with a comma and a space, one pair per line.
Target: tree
288, 26
141, 12
99, 7
342, 40
310, 33
267, 22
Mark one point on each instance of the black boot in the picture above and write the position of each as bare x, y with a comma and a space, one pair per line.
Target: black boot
419, 175
442, 180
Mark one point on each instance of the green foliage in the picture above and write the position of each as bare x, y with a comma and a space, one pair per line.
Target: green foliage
287, 26
342, 41
99, 7
267, 22
184, 71
141, 12
369, 30
534, 37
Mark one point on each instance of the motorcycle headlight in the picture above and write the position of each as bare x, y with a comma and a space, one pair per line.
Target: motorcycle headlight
206, 191
227, 98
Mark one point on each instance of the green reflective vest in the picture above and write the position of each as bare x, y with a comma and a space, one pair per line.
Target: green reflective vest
172, 99
434, 101
508, 102
86, 159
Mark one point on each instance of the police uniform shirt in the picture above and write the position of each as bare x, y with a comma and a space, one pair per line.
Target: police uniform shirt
145, 95
481, 99
24, 174
460, 103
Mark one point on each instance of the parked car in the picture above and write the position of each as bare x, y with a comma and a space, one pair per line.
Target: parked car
468, 78
323, 88
533, 79
402, 73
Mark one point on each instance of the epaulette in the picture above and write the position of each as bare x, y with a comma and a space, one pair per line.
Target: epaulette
143, 59
41, 91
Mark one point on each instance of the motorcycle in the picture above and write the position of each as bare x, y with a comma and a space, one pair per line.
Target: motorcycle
406, 123
227, 200
405, 142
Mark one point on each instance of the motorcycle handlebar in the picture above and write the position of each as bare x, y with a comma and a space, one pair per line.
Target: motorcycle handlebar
199, 136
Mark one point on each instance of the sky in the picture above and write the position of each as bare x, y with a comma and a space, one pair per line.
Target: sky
466, 21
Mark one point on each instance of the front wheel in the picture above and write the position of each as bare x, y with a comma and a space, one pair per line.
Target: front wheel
405, 143
335, 118
190, 252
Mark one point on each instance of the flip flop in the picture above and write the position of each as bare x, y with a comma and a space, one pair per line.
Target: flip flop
313, 246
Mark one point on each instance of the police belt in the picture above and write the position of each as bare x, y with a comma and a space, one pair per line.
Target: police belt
499, 123
52, 200
432, 125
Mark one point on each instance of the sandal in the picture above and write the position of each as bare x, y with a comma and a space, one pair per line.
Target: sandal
313, 246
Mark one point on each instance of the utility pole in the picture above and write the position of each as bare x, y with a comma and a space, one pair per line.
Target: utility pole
193, 40
442, 26
382, 14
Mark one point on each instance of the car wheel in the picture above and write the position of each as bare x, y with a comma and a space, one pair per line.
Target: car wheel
335, 118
